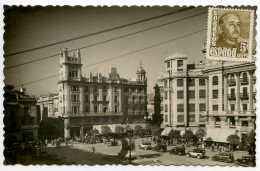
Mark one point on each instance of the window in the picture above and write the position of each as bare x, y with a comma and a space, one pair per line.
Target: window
179, 94
191, 82
104, 109
86, 98
116, 99
202, 107
95, 109
215, 80
180, 108
192, 107
232, 107
126, 89
95, 98
192, 118
191, 94
87, 109
161, 108
202, 93
202, 82
104, 89
217, 120
74, 98
244, 77
168, 64
180, 63
75, 109
244, 107
165, 83
95, 89
74, 88
116, 108
73, 74
215, 107
180, 118
86, 88
104, 98
214, 94
115, 89
166, 108
232, 92
165, 118
244, 91
179, 82
165, 95
139, 90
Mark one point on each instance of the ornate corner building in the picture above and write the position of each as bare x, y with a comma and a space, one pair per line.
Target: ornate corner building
219, 96
98, 100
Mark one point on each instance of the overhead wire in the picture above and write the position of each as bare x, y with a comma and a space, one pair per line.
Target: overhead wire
109, 40
99, 32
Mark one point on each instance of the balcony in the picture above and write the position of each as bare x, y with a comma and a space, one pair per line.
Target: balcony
231, 82
98, 102
244, 96
231, 97
244, 81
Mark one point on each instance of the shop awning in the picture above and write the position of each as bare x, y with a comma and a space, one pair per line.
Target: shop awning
220, 134
166, 131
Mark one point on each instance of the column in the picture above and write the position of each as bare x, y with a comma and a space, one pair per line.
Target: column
66, 128
81, 99
251, 83
225, 92
238, 91
81, 131
169, 101
67, 98
111, 99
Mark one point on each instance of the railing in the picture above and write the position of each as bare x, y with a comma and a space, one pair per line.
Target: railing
231, 82
244, 81
243, 96
231, 97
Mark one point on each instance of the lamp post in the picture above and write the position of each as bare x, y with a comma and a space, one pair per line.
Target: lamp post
130, 144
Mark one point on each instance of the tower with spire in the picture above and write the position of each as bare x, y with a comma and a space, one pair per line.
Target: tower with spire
141, 74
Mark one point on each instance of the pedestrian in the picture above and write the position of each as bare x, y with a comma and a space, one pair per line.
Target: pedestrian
202, 145
93, 149
212, 147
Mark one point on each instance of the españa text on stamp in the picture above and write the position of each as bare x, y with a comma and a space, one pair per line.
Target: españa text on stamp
230, 34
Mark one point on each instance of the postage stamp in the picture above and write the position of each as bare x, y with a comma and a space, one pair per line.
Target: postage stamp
230, 34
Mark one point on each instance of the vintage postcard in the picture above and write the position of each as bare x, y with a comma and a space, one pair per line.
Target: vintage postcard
230, 34
129, 85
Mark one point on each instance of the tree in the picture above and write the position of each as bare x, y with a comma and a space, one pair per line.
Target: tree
137, 129
209, 139
234, 140
201, 133
250, 139
154, 130
106, 130
119, 129
175, 134
93, 131
188, 134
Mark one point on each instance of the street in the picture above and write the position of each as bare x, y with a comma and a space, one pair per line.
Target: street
79, 153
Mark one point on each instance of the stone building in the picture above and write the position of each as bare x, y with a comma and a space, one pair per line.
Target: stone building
49, 105
98, 100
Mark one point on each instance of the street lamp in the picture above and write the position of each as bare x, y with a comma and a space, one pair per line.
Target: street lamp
129, 133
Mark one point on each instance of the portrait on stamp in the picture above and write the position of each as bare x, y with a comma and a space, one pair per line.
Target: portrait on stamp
230, 34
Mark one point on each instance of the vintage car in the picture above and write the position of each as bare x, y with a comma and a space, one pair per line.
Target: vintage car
178, 151
246, 161
224, 157
145, 145
160, 147
198, 153
112, 142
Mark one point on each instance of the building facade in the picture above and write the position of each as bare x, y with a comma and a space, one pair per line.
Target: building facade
219, 96
183, 93
49, 105
21, 116
231, 99
98, 100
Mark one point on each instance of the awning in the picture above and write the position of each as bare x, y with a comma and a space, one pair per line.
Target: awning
220, 134
166, 131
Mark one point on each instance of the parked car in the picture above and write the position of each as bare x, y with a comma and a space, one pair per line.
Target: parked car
224, 157
145, 145
160, 147
198, 153
246, 161
112, 142
178, 151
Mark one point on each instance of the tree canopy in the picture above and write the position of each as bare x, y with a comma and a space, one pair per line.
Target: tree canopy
175, 134
137, 129
51, 128
93, 131
119, 129
233, 139
105, 129
155, 130
250, 139
188, 134
201, 133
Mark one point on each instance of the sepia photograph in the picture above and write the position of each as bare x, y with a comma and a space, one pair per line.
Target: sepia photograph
132, 85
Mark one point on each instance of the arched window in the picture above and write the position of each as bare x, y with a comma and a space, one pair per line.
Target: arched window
215, 80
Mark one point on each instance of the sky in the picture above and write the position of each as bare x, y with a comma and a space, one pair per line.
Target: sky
27, 28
